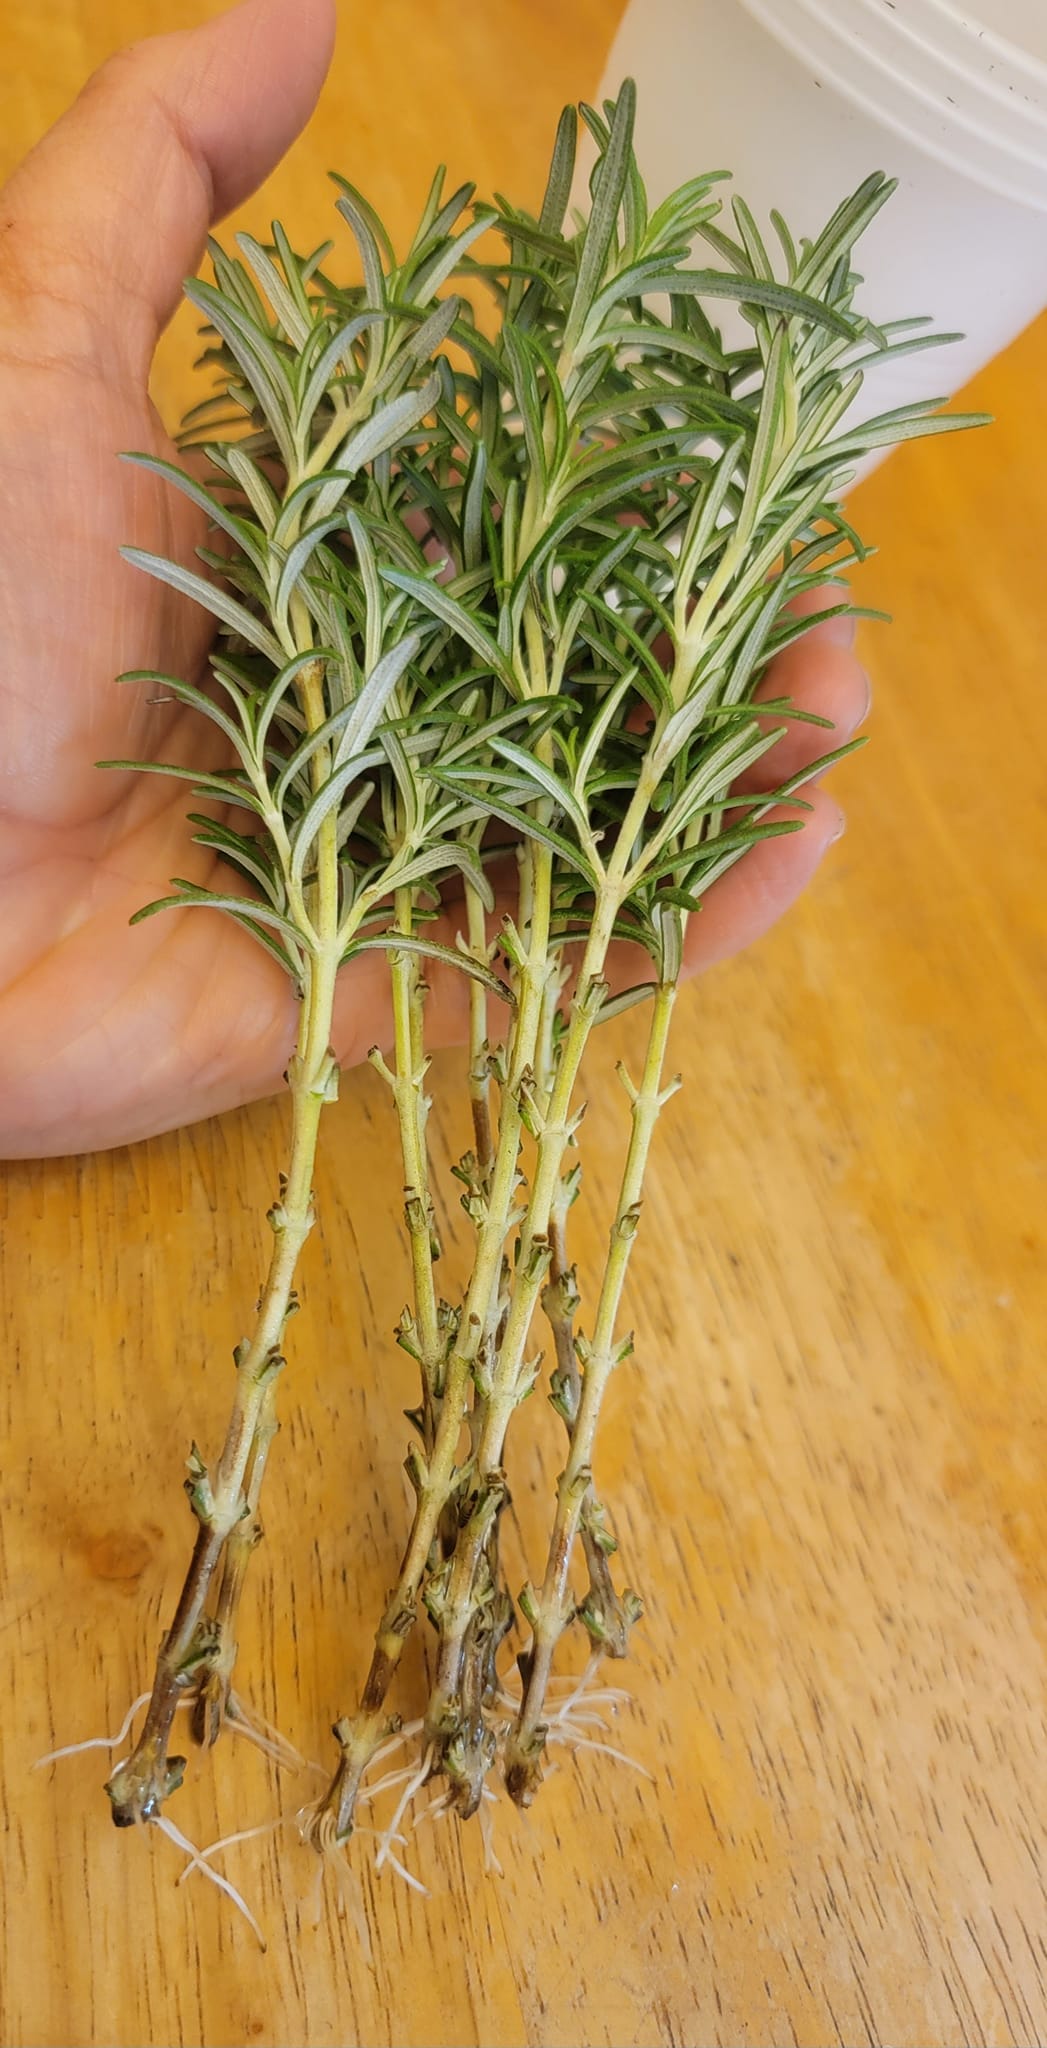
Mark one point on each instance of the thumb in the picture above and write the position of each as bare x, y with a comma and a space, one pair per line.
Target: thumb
110, 211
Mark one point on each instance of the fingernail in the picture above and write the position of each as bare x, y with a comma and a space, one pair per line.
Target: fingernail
841, 827
868, 689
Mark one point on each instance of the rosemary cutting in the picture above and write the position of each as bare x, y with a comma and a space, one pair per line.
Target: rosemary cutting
499, 570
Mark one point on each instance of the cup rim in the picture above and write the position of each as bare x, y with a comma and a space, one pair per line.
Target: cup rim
985, 37
908, 73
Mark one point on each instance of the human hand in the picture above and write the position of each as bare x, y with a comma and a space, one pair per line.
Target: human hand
107, 1033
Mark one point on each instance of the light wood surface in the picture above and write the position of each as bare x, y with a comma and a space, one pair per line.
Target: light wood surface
827, 1459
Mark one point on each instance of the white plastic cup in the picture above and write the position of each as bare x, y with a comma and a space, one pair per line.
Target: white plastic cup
800, 100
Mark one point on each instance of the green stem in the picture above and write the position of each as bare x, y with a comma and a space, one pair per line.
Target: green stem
479, 1046
553, 1608
556, 1130
192, 1646
197, 1652
607, 1616
408, 1087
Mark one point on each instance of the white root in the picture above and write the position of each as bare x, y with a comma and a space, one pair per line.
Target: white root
202, 1856
402, 1870
258, 1741
281, 1753
575, 1741
393, 1742
583, 1683
437, 1809
55, 1756
241, 1720
245, 1720
349, 1898
93, 1741
576, 1707
385, 1784
175, 1835
492, 1863
414, 1784
313, 1909
579, 1718
583, 1706
351, 1904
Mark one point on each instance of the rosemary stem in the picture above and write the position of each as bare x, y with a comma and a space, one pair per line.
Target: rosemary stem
193, 1646
408, 1086
321, 920
198, 1652
360, 1735
212, 1699
479, 1048
553, 1609
508, 1380
607, 1615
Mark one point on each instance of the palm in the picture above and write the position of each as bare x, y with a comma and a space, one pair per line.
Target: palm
133, 1027
108, 1033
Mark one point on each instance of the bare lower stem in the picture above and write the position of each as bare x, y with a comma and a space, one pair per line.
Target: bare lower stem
212, 1698
470, 1581
192, 1646
359, 1735
479, 1047
423, 1334
607, 1615
553, 1608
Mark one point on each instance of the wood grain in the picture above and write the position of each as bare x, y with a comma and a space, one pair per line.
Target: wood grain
827, 1459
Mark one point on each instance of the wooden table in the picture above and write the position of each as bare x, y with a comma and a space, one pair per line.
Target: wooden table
833, 1484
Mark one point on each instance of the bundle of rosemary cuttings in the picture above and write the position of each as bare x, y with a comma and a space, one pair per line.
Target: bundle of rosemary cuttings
505, 539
